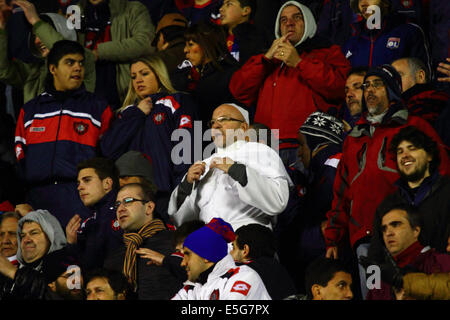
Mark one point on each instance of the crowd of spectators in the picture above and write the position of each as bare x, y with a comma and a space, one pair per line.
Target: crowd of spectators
224, 149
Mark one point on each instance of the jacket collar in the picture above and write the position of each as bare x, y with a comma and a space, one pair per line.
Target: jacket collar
417, 195
107, 201
408, 255
397, 115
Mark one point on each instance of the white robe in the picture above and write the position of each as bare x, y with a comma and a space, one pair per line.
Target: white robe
216, 194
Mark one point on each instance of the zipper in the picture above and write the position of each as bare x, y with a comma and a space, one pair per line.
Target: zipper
56, 141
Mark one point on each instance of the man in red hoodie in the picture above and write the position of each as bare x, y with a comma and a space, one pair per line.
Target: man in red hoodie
301, 73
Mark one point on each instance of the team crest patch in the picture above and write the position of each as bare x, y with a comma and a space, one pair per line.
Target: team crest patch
214, 295
159, 118
393, 43
241, 287
115, 225
185, 121
80, 127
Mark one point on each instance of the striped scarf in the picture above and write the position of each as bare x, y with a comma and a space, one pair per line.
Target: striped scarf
133, 241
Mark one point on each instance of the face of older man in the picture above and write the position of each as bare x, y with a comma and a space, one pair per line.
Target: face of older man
227, 125
375, 95
292, 23
8, 237
34, 242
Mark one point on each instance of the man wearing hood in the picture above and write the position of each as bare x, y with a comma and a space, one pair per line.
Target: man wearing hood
300, 73
47, 29
366, 173
242, 182
41, 255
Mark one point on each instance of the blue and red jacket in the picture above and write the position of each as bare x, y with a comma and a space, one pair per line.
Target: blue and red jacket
383, 46
151, 135
54, 134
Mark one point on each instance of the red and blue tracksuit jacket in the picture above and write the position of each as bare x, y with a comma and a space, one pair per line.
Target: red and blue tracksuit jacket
52, 137
151, 135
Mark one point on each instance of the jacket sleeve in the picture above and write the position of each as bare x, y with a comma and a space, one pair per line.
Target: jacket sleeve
327, 75
338, 215
423, 286
20, 141
117, 138
142, 33
249, 79
12, 72
182, 211
184, 119
271, 195
29, 284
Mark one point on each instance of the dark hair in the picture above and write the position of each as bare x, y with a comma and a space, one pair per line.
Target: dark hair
321, 271
116, 280
145, 190
186, 229
420, 140
103, 167
360, 71
249, 3
415, 65
260, 126
259, 239
211, 38
62, 48
377, 252
385, 6
10, 214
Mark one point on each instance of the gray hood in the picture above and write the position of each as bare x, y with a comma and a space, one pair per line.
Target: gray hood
49, 224
60, 24
310, 22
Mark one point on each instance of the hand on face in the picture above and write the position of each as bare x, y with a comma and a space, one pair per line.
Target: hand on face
284, 51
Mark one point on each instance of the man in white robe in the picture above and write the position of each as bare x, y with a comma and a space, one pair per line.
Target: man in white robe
242, 183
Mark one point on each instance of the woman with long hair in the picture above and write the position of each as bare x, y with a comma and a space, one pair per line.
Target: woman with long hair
151, 112
208, 68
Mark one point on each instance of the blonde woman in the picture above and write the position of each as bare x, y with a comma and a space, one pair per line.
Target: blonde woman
152, 110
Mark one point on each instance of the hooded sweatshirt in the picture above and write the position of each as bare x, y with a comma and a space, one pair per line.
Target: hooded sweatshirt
51, 228
286, 96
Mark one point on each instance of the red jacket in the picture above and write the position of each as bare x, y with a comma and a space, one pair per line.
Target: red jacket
366, 174
286, 96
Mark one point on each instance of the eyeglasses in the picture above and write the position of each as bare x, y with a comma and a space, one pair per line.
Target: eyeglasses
221, 120
127, 202
376, 84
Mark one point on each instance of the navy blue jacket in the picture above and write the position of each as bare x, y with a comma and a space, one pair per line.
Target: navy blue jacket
100, 234
382, 46
133, 130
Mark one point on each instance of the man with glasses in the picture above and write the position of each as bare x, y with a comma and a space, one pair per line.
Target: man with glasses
99, 234
366, 172
135, 205
242, 182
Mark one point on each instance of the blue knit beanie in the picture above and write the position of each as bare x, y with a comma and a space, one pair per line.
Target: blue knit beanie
210, 241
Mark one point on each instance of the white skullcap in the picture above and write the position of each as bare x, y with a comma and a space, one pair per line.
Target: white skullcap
242, 111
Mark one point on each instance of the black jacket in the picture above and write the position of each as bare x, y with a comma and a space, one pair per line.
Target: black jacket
153, 282
276, 279
211, 89
251, 40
